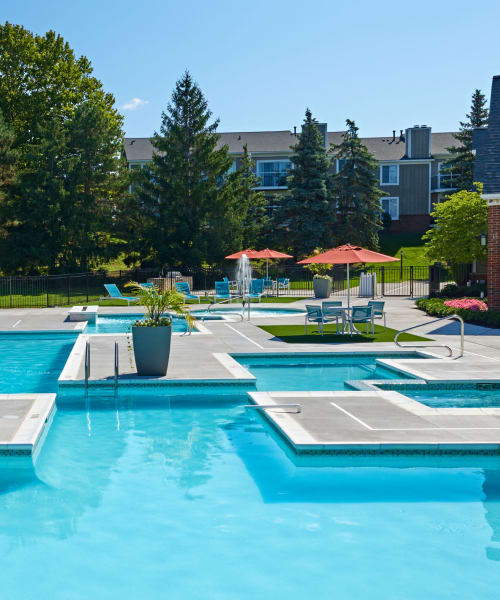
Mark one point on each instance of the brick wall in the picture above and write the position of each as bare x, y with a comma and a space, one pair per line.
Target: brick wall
494, 257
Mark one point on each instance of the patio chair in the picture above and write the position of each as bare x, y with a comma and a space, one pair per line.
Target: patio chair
183, 288
256, 290
115, 293
222, 291
268, 285
378, 309
361, 314
314, 314
233, 285
332, 311
283, 284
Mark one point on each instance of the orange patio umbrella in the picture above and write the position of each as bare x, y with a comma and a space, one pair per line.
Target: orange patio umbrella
266, 254
249, 254
348, 255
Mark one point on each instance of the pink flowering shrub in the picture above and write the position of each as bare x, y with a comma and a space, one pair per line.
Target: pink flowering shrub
467, 304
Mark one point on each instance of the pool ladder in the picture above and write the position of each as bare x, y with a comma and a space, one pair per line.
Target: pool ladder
87, 365
230, 300
450, 351
297, 407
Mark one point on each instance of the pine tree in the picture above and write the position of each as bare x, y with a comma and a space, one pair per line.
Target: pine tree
307, 213
8, 157
356, 191
461, 164
184, 197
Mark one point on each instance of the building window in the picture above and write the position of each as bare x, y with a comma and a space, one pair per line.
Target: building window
273, 173
445, 177
389, 175
340, 164
232, 168
391, 206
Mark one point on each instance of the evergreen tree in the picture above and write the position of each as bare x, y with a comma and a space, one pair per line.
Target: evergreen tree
356, 191
185, 200
307, 214
8, 157
461, 163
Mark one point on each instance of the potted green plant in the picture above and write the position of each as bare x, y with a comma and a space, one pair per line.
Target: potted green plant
152, 335
322, 282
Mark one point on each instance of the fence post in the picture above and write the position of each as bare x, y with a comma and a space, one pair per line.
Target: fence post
411, 281
10, 291
382, 277
69, 294
87, 285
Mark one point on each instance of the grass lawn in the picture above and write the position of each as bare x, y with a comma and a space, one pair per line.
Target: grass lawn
411, 244
294, 334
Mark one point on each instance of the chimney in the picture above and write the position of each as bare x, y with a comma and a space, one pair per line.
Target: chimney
418, 141
393, 135
295, 130
401, 136
491, 155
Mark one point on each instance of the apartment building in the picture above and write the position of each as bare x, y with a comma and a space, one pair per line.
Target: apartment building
409, 166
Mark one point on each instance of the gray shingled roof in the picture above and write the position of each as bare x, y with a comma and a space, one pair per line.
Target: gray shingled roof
383, 148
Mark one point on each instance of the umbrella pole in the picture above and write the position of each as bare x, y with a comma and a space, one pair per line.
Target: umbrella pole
267, 268
348, 288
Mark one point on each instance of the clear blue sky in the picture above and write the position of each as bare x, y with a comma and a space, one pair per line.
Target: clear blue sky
387, 65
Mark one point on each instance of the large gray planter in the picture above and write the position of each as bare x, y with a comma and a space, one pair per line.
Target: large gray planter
322, 288
152, 349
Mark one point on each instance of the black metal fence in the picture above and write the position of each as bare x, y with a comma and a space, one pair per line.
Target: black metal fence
63, 290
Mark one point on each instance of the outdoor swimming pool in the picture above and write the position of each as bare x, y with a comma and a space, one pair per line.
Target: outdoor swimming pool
197, 499
32, 362
297, 372
123, 323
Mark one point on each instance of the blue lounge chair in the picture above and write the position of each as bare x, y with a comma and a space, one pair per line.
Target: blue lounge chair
314, 314
283, 284
332, 311
256, 290
361, 314
268, 286
222, 291
183, 288
115, 293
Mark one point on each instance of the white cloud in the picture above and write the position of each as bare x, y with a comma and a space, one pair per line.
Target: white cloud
134, 104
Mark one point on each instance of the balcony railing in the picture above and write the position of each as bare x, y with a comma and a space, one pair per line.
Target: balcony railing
442, 182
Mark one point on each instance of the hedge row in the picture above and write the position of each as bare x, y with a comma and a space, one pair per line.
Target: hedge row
436, 307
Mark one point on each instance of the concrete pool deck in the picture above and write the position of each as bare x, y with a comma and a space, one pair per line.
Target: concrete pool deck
206, 359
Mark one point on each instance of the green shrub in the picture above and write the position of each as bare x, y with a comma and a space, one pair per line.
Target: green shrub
436, 308
452, 290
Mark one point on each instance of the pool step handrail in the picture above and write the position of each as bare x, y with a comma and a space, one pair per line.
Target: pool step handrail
225, 300
298, 407
87, 363
116, 364
450, 351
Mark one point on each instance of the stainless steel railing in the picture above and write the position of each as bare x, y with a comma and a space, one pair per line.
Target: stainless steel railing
298, 407
87, 364
116, 364
450, 351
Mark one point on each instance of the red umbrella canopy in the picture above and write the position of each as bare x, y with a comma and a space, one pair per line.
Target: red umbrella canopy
267, 253
348, 254
249, 253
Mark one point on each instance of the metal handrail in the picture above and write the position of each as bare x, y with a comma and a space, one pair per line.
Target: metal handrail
87, 363
450, 351
230, 300
116, 364
298, 407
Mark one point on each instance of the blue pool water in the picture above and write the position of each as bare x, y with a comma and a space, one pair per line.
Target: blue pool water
123, 324
255, 311
155, 499
468, 397
314, 371
32, 362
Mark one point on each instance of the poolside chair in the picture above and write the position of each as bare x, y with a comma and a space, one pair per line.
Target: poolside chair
115, 293
256, 290
378, 309
361, 314
314, 314
183, 288
268, 285
222, 291
283, 284
332, 311
233, 285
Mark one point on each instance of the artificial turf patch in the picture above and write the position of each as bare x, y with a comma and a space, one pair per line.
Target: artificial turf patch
294, 334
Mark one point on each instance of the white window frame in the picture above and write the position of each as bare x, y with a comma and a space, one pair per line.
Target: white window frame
337, 162
448, 176
396, 218
271, 160
397, 173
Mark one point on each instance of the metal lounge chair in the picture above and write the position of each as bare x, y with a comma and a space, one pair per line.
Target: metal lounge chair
378, 309
283, 284
183, 288
361, 314
115, 293
222, 291
314, 314
256, 290
332, 311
